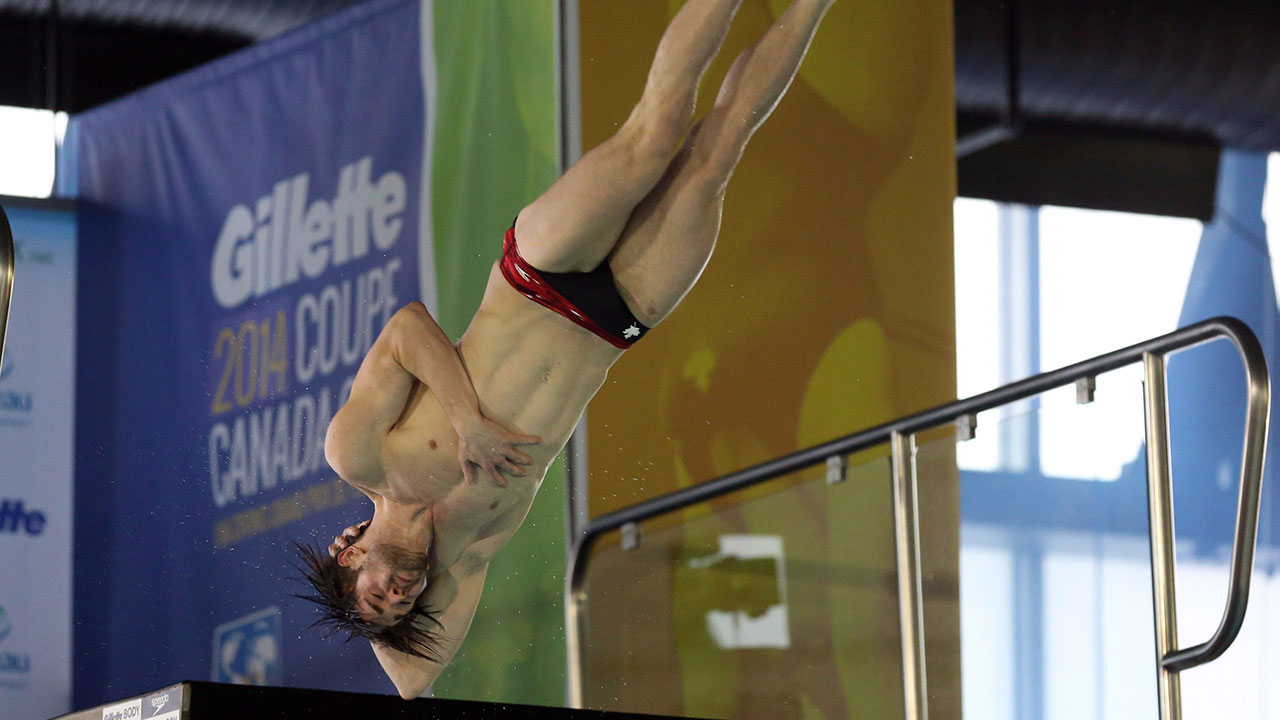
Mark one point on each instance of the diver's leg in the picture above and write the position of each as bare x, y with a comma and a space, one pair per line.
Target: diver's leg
669, 238
576, 222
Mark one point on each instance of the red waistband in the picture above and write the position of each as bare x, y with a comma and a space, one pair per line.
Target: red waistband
528, 282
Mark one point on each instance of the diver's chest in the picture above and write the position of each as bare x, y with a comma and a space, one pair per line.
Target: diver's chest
483, 505
420, 455
421, 462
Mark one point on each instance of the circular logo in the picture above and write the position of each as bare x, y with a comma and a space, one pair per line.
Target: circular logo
5, 625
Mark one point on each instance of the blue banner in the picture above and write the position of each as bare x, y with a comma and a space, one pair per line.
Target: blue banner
246, 231
36, 422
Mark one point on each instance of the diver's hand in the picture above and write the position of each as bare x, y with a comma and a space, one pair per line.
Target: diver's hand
348, 536
491, 447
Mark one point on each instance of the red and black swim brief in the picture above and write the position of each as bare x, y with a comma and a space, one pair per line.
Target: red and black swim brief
589, 299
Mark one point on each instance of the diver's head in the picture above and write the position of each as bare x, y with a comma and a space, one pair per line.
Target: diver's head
371, 592
388, 579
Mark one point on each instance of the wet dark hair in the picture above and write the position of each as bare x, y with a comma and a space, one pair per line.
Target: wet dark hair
334, 587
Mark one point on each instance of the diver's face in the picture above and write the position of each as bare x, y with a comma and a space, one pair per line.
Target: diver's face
384, 595
389, 583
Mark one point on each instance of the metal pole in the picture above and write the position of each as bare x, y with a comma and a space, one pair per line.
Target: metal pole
1246, 531
1160, 504
575, 619
7, 260
569, 116
570, 135
1184, 338
906, 529
574, 599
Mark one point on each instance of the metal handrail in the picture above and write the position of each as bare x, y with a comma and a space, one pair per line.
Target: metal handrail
896, 431
7, 258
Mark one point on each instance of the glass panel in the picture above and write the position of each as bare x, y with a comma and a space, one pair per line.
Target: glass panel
779, 604
782, 602
1055, 585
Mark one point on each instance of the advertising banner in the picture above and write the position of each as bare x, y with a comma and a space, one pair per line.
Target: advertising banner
246, 230
827, 308
36, 422
251, 226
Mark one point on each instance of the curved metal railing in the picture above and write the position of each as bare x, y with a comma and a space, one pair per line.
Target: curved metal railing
7, 257
900, 434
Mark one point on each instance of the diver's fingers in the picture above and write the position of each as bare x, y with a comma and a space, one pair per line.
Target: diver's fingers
497, 476
335, 547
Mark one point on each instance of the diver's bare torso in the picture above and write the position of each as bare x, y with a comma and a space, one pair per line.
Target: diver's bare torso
648, 201
533, 371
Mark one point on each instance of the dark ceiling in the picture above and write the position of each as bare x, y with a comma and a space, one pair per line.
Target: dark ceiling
1187, 68
1146, 76
75, 54
1180, 67
1115, 104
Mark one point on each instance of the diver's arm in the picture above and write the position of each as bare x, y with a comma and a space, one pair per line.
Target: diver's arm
454, 594
411, 348
420, 347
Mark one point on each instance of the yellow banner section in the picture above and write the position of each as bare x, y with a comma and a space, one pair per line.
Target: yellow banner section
827, 308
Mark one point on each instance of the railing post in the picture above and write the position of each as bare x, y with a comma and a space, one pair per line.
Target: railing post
906, 532
573, 647
7, 260
1160, 505
575, 600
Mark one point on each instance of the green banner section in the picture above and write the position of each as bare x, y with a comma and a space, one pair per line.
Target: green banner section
495, 151
495, 138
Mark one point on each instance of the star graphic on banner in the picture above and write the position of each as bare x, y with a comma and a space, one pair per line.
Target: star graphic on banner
631, 332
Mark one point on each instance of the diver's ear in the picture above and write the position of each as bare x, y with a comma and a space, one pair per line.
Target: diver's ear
351, 556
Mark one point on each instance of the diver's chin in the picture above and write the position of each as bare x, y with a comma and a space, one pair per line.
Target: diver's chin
401, 561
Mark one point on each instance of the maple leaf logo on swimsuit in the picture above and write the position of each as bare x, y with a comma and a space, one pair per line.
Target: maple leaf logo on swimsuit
631, 332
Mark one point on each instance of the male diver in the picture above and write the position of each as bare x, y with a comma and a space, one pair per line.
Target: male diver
451, 441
